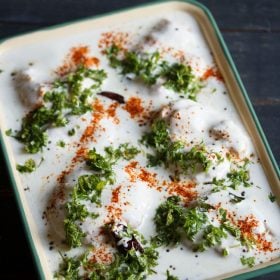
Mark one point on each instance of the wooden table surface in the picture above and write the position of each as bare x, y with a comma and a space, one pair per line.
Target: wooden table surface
251, 29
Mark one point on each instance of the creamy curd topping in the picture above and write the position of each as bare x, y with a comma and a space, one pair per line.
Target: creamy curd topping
131, 120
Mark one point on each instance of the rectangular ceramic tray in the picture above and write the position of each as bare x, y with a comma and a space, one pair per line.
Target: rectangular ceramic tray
232, 81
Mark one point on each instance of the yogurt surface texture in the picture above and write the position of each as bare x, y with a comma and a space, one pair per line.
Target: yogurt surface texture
139, 165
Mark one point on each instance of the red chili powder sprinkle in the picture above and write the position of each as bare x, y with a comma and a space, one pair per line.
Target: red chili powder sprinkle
212, 72
80, 56
119, 39
97, 116
263, 244
135, 172
247, 225
76, 57
101, 255
114, 213
116, 194
149, 178
130, 169
183, 189
111, 111
134, 107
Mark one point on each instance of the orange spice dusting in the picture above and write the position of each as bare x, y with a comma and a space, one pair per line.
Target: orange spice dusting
81, 152
119, 39
149, 178
115, 195
184, 189
97, 116
247, 227
88, 132
263, 244
212, 72
76, 57
134, 107
135, 172
98, 106
114, 213
179, 55
130, 169
101, 255
111, 111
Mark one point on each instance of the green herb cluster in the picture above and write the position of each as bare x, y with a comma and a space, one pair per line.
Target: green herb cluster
104, 164
250, 261
150, 67
237, 177
171, 153
272, 197
60, 144
211, 237
28, 167
69, 269
89, 188
125, 265
175, 222
169, 276
248, 242
66, 97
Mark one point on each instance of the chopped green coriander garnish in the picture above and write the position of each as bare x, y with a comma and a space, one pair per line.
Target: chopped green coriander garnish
129, 264
175, 222
180, 78
235, 198
1, 71
76, 211
71, 132
105, 163
272, 197
90, 186
218, 185
28, 167
124, 151
60, 143
169, 220
235, 231
68, 269
212, 236
66, 97
237, 177
144, 66
171, 153
169, 276
9, 132
126, 266
225, 252
73, 233
228, 226
195, 219
250, 261
149, 67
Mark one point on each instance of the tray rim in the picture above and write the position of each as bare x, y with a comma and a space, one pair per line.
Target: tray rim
236, 75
